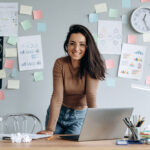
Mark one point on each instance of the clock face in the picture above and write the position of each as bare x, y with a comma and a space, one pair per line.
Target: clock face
140, 20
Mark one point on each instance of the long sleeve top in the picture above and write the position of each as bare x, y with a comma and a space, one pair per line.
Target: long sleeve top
70, 90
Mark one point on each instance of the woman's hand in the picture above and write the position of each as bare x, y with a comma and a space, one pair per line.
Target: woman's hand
45, 132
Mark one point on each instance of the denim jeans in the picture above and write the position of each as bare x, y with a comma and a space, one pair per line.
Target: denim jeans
69, 122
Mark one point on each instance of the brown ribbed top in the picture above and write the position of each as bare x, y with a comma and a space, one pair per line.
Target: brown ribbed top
70, 90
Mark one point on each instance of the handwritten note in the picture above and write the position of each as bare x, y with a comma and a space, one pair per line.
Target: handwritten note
41, 27
2, 74
13, 84
38, 76
131, 39
26, 24
12, 40
1, 95
8, 19
102, 7
93, 17
109, 63
27, 10
37, 14
148, 80
30, 52
9, 63
113, 13
126, 3
10, 52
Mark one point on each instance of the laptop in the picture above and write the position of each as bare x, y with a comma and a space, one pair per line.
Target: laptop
102, 124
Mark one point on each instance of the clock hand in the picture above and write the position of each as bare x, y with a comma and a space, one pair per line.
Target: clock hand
145, 22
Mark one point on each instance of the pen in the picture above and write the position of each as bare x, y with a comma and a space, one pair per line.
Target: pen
50, 138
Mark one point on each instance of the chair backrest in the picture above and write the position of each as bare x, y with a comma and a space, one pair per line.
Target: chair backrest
23, 123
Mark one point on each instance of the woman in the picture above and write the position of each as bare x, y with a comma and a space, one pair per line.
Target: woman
75, 82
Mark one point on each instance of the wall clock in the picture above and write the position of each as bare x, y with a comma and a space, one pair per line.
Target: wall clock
140, 19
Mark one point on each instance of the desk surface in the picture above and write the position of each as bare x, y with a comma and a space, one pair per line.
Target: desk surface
59, 144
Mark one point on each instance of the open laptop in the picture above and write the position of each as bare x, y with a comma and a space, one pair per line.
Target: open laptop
101, 124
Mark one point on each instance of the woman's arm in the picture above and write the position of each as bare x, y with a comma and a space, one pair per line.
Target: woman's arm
56, 99
91, 91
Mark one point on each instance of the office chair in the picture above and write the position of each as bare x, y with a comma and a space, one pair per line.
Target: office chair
21, 122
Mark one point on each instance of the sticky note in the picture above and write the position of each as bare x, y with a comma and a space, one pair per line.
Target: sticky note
26, 24
2, 73
14, 73
41, 27
102, 7
93, 17
38, 76
146, 37
148, 80
9, 63
126, 3
37, 14
110, 82
113, 13
131, 39
10, 52
12, 40
124, 19
95, 37
27, 10
142, 1
109, 63
1, 95
13, 84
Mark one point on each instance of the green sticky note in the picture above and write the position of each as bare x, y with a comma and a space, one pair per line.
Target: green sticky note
26, 24
12, 40
95, 37
38, 76
113, 13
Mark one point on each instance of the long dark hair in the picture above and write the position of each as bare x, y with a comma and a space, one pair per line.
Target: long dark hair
92, 61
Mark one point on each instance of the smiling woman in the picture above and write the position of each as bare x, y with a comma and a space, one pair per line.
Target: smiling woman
75, 82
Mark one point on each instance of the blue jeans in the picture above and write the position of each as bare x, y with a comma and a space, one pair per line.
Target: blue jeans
69, 122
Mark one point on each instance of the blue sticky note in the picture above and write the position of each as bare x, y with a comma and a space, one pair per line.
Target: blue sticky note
93, 17
110, 82
14, 73
124, 19
41, 27
126, 3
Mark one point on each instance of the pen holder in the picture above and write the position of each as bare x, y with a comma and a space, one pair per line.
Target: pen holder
134, 133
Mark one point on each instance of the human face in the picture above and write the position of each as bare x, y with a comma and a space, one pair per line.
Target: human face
76, 46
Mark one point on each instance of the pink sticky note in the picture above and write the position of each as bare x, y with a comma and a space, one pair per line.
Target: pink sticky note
148, 80
145, 1
37, 14
1, 95
9, 63
109, 63
131, 39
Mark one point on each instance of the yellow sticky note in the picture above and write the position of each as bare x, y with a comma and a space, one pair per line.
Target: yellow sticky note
2, 74
146, 37
102, 7
10, 52
27, 10
13, 84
